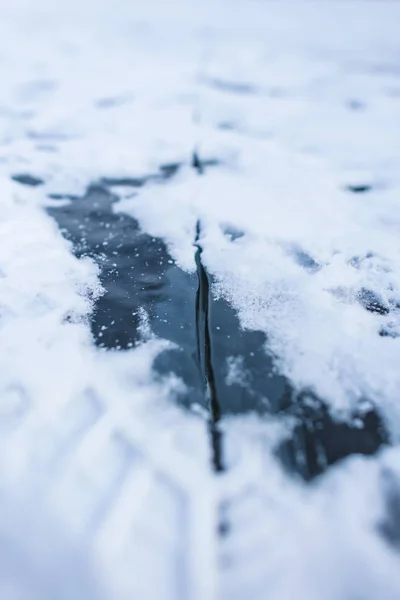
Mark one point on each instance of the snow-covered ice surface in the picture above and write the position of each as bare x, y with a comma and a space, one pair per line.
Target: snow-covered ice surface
106, 483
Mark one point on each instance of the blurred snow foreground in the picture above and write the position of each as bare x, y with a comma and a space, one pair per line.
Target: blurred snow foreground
106, 488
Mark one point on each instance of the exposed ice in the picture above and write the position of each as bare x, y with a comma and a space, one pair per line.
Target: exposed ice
292, 113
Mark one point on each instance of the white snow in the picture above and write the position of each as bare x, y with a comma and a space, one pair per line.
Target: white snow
296, 100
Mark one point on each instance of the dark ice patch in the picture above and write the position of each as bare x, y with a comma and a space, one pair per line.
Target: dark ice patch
305, 260
135, 182
389, 527
231, 232
391, 330
135, 268
318, 440
357, 261
201, 164
140, 279
258, 387
27, 179
372, 302
165, 172
169, 170
227, 125
63, 197
361, 188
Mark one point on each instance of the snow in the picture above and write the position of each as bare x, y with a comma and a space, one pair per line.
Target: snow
296, 101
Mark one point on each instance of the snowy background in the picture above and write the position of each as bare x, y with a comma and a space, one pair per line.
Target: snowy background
106, 487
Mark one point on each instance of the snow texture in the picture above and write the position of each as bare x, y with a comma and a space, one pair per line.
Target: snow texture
106, 488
